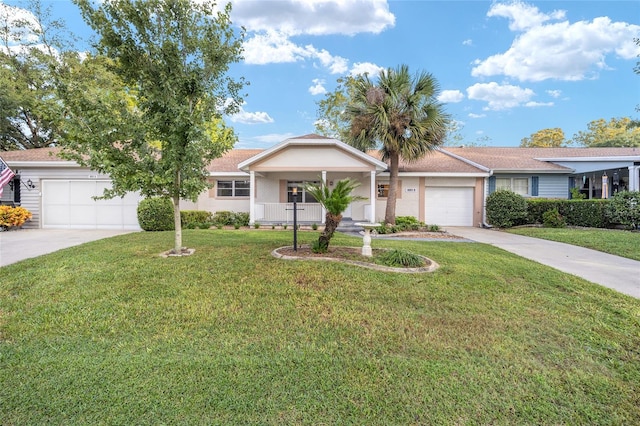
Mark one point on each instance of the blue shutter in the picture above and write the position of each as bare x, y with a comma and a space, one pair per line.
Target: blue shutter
534, 186
492, 184
572, 184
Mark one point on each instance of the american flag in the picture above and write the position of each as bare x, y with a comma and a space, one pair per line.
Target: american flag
5, 175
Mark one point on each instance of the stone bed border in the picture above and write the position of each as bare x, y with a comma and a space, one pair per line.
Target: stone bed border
431, 268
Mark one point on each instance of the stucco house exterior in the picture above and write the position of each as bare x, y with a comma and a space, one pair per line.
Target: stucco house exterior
447, 187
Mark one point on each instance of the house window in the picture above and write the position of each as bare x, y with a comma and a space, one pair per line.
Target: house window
383, 190
517, 185
233, 188
303, 196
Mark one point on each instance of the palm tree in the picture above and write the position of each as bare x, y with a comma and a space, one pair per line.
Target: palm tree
400, 116
335, 202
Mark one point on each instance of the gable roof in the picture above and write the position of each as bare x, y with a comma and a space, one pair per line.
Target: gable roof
316, 141
513, 159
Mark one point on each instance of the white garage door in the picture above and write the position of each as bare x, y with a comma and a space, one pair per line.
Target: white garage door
69, 204
450, 206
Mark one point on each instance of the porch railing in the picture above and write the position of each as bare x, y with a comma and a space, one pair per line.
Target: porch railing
283, 212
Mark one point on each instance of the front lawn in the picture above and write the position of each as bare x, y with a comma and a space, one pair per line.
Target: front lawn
110, 333
618, 242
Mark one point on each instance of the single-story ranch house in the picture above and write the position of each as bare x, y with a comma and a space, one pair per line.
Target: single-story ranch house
447, 187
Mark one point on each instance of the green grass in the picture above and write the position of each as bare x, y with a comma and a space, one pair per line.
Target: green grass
110, 333
618, 242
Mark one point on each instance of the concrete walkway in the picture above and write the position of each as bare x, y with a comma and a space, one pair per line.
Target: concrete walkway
28, 243
610, 271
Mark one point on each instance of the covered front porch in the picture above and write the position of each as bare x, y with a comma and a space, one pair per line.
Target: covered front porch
276, 174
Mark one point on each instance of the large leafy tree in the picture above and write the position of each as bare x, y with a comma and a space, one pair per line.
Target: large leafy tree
30, 110
617, 132
335, 201
158, 134
400, 116
545, 138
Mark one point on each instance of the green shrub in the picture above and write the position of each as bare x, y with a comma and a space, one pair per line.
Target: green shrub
586, 213
195, 216
256, 225
434, 228
316, 247
576, 194
382, 229
624, 209
223, 218
553, 219
506, 209
408, 223
156, 214
227, 218
314, 226
241, 218
400, 258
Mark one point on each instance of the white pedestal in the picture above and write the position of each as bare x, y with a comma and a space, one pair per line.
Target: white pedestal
366, 239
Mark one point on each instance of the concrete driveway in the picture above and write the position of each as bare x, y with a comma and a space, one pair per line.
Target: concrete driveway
610, 271
27, 243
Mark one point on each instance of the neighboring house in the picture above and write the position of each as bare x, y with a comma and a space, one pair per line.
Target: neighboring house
448, 187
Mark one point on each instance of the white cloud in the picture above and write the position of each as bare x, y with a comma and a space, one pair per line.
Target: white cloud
523, 16
361, 68
561, 50
20, 24
245, 117
314, 17
451, 96
538, 104
275, 47
554, 93
472, 115
273, 138
318, 87
467, 42
499, 97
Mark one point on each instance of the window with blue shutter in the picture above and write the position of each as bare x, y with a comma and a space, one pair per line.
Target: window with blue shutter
492, 184
534, 186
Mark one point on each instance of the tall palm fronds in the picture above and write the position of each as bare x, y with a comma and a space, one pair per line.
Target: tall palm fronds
399, 115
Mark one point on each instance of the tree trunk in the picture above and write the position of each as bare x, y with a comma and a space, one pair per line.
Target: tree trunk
330, 226
177, 245
390, 213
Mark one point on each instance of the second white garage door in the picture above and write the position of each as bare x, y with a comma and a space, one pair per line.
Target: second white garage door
68, 204
449, 206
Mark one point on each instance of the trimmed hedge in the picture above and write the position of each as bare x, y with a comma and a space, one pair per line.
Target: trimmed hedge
506, 209
195, 216
624, 209
586, 213
156, 214
228, 218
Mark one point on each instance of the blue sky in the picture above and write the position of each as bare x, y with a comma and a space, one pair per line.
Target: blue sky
506, 68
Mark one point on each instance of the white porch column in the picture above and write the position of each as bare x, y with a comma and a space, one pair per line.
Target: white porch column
324, 182
372, 196
252, 199
634, 181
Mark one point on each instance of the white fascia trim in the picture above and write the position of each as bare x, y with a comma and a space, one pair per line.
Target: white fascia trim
380, 166
436, 174
44, 164
565, 171
464, 160
233, 174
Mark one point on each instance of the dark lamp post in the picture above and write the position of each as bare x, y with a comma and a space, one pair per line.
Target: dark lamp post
295, 219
